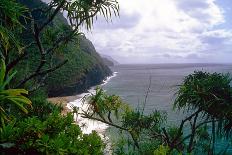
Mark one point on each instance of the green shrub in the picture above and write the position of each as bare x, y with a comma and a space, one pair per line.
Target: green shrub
10, 98
56, 135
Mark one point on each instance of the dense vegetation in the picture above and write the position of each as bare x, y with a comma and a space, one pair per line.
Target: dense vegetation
84, 68
40, 53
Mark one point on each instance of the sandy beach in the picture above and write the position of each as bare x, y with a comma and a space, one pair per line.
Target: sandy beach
64, 100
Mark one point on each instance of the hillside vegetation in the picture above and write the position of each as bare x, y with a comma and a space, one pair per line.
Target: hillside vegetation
84, 68
42, 55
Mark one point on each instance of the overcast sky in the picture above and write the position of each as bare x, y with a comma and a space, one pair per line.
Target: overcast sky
167, 31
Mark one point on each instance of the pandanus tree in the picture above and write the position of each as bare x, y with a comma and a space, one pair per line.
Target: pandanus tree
208, 96
208, 93
205, 96
10, 97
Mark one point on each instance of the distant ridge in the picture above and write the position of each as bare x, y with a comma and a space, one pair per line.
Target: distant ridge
109, 61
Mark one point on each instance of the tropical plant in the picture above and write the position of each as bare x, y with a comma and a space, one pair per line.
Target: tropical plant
139, 128
208, 96
55, 135
10, 11
10, 97
44, 38
50, 132
205, 96
210, 93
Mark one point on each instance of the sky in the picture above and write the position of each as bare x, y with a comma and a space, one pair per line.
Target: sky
167, 31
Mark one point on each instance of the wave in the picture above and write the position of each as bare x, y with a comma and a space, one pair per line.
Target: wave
104, 82
88, 125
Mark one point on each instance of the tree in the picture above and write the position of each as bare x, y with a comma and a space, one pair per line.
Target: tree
49, 133
205, 96
14, 17
210, 96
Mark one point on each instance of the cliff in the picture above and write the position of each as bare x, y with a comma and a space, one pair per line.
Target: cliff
109, 61
85, 67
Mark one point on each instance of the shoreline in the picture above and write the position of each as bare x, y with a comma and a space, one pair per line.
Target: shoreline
86, 125
89, 125
77, 100
65, 100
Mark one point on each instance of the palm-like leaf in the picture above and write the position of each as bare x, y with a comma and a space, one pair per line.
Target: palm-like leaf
10, 96
209, 92
10, 11
82, 12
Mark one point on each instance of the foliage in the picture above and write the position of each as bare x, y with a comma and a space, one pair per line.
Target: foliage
161, 150
10, 97
33, 41
43, 108
200, 94
102, 104
205, 91
10, 11
85, 10
56, 135
210, 93
80, 53
140, 129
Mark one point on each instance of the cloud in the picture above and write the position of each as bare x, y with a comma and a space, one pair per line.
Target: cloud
217, 37
124, 22
154, 31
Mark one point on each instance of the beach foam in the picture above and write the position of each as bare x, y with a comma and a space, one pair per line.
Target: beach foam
88, 125
109, 78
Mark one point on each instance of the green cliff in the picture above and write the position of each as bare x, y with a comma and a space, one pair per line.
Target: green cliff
85, 67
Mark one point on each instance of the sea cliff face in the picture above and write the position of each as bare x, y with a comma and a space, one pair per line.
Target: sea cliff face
91, 78
85, 67
87, 77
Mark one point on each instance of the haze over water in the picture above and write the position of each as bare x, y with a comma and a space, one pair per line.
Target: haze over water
132, 82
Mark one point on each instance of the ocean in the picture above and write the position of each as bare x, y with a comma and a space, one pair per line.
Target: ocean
132, 82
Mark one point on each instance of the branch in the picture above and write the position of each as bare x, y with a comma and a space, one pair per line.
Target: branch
41, 73
52, 16
166, 136
182, 125
68, 36
199, 125
190, 146
85, 115
157, 135
36, 34
40, 84
13, 63
147, 93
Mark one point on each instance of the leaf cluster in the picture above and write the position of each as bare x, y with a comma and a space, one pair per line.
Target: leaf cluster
10, 11
56, 135
10, 97
209, 92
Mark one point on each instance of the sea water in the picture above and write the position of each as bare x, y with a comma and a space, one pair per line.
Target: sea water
133, 81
